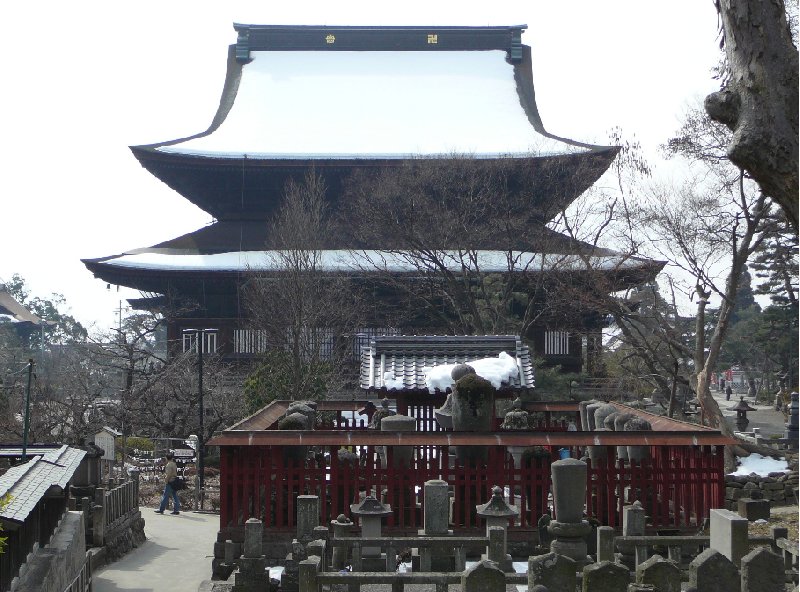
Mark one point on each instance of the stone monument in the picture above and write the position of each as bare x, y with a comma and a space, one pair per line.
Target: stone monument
569, 529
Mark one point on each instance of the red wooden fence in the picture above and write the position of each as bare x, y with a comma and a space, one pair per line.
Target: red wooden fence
677, 485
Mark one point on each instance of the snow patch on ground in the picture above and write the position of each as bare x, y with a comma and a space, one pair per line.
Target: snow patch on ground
755, 463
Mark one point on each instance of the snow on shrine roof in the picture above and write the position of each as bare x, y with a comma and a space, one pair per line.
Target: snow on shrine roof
28, 483
342, 260
409, 359
376, 104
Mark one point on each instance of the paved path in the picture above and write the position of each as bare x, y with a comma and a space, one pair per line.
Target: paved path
765, 417
176, 556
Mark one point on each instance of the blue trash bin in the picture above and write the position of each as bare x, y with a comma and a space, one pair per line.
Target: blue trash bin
563, 453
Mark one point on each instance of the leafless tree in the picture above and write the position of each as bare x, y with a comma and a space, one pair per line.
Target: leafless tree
303, 303
462, 241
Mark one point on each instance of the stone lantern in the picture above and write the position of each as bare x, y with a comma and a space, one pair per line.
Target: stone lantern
741, 409
793, 422
498, 512
370, 512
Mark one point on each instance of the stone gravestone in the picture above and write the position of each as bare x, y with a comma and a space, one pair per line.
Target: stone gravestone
485, 576
290, 578
762, 571
569, 495
633, 524
660, 573
307, 517
605, 543
436, 523
605, 577
251, 576
729, 534
711, 571
556, 572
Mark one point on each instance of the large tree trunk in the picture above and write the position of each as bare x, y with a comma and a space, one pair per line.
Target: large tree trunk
760, 101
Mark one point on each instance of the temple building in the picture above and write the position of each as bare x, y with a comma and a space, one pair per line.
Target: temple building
347, 103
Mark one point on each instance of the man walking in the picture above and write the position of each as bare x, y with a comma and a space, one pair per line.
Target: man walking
170, 475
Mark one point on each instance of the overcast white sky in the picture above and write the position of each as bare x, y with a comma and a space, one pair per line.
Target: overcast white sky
82, 81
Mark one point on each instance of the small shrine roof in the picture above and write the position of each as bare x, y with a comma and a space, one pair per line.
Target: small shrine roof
28, 483
408, 358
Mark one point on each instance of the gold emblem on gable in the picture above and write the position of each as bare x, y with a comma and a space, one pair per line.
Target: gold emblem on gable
330, 39
433, 39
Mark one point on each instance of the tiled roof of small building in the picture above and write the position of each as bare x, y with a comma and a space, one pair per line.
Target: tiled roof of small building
409, 357
26, 484
13, 311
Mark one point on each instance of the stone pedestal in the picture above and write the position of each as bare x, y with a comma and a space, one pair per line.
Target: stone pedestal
340, 528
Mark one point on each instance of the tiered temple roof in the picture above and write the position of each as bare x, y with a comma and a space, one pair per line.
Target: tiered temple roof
343, 100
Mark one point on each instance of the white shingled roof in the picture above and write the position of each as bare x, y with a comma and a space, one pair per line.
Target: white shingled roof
27, 483
375, 104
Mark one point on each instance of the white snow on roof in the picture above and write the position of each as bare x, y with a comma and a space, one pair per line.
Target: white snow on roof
379, 104
760, 465
345, 260
497, 370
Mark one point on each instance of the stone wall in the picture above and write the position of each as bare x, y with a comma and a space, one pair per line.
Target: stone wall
53, 568
778, 488
125, 534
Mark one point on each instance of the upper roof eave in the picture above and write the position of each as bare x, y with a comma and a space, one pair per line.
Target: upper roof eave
163, 166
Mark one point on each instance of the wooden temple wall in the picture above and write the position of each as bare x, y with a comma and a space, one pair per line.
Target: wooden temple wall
678, 485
